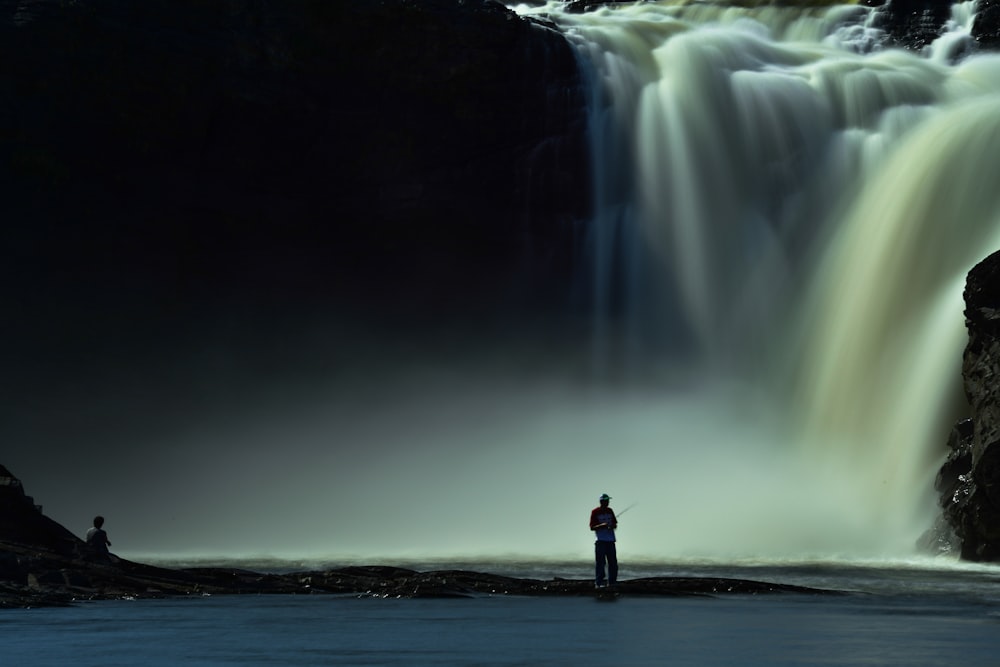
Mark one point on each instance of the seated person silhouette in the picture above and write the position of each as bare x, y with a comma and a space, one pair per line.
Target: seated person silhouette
97, 539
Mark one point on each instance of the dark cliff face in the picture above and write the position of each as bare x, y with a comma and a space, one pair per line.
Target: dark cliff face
969, 480
254, 168
295, 128
986, 27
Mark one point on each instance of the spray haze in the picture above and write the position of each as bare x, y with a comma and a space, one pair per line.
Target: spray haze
491, 464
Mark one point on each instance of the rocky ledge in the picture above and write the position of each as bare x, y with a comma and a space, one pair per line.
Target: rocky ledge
60, 582
44, 564
969, 480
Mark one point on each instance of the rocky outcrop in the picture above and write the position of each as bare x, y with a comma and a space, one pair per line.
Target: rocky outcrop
969, 480
986, 26
400, 582
914, 24
22, 521
43, 564
51, 582
581, 6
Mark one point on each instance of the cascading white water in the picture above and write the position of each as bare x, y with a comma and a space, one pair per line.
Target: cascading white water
801, 205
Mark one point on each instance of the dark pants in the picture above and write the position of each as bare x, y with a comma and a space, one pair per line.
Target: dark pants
605, 553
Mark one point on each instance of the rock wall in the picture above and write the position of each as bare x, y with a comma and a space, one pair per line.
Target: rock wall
373, 108
986, 28
175, 171
969, 480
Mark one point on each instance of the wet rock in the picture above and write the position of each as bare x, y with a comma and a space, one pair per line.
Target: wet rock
912, 24
60, 581
464, 583
969, 480
986, 26
582, 6
953, 480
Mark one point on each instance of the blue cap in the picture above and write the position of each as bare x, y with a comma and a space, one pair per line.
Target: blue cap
605, 496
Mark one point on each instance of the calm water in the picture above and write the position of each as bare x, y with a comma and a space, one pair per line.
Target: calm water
893, 616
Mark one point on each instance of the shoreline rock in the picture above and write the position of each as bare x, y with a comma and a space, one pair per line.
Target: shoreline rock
60, 583
42, 564
969, 480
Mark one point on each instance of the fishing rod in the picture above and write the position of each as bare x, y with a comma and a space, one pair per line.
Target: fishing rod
618, 514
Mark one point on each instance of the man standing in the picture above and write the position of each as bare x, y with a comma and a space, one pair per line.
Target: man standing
603, 522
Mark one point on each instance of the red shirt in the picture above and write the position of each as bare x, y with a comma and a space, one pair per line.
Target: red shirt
604, 515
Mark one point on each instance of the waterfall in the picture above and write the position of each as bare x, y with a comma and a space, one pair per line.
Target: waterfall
785, 212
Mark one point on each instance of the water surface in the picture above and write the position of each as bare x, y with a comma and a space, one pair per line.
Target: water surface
891, 616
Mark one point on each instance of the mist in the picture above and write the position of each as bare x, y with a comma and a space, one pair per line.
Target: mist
498, 452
